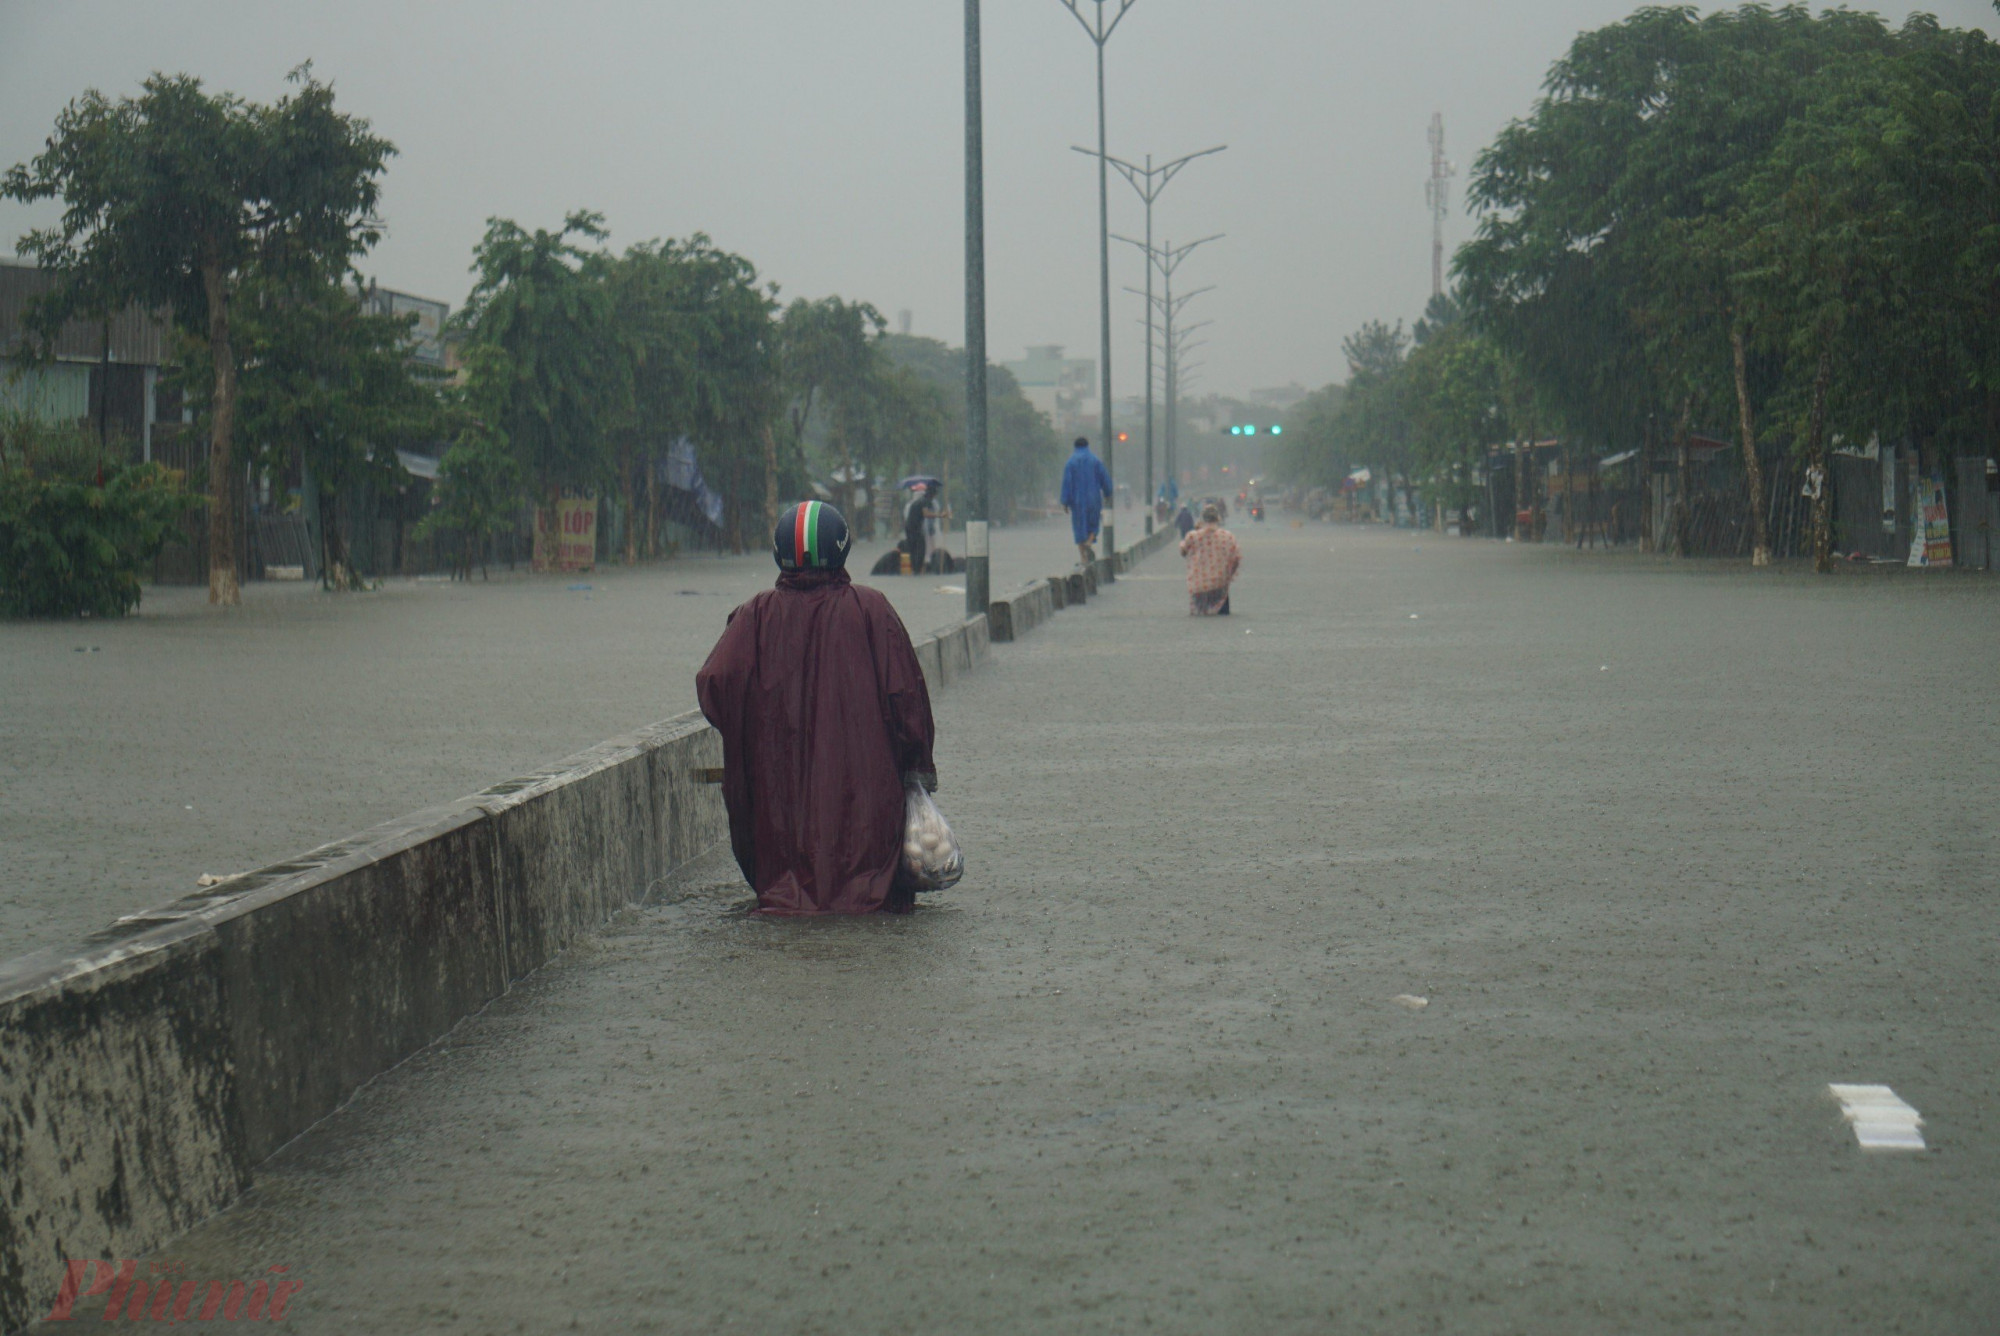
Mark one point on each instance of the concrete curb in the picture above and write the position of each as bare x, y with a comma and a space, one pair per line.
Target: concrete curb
145, 1074
1021, 612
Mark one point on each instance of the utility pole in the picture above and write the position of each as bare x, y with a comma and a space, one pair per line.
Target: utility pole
1437, 194
1149, 181
1167, 258
978, 568
1099, 31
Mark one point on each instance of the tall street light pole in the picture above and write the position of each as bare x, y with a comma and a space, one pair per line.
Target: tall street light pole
1099, 30
978, 568
1149, 181
1172, 344
1176, 350
1167, 258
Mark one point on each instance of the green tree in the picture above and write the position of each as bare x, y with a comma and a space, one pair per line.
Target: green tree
1309, 455
700, 334
829, 365
173, 199
1458, 397
481, 485
1023, 455
326, 381
1760, 213
559, 378
1372, 424
74, 535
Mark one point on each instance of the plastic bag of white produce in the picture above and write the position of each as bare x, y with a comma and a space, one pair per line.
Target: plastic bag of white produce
931, 856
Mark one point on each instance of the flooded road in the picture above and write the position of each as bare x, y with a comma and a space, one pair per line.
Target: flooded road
136, 755
1662, 852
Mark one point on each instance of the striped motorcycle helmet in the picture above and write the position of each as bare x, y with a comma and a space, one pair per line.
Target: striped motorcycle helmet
811, 536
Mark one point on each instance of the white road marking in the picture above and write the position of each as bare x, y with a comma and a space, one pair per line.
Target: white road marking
1881, 1120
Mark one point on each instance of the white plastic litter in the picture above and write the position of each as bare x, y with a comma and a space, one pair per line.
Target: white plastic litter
1410, 1001
1880, 1118
931, 854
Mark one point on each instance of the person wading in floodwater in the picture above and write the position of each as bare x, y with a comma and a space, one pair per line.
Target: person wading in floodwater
922, 508
1212, 562
824, 718
1085, 489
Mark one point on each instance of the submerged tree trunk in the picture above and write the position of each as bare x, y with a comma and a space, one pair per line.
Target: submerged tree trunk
222, 527
652, 511
1683, 511
770, 478
1649, 540
336, 567
1753, 472
1520, 492
1817, 478
631, 506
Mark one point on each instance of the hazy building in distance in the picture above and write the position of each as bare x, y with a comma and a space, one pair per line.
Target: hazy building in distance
1274, 402
1061, 387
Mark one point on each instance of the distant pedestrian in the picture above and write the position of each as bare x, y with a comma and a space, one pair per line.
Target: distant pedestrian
825, 719
1184, 520
1086, 486
916, 540
1212, 561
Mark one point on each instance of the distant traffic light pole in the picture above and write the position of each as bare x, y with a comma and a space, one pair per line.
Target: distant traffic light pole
978, 567
1154, 181
1100, 33
1167, 258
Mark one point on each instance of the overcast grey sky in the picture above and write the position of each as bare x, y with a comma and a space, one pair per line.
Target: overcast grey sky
822, 139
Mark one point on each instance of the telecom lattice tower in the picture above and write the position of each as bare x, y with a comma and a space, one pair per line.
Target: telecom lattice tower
1437, 194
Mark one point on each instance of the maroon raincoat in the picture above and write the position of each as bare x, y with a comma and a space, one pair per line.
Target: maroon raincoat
824, 716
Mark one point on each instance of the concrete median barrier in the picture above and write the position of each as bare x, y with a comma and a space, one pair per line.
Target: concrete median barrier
1016, 614
146, 1073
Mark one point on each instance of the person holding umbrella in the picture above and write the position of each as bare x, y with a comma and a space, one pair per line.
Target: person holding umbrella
921, 508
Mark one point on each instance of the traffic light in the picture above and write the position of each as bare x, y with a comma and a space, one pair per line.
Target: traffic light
1251, 429
1124, 436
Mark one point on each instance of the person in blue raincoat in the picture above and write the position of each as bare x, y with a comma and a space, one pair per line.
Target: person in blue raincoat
1086, 486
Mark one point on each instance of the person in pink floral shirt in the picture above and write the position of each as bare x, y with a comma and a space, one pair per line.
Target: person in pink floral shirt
1212, 562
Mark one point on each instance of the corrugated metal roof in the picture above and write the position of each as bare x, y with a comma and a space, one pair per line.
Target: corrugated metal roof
137, 338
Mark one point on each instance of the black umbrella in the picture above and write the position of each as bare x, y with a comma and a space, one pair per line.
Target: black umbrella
920, 480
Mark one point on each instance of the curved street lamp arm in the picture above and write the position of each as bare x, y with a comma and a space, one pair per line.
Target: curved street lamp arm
1101, 32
